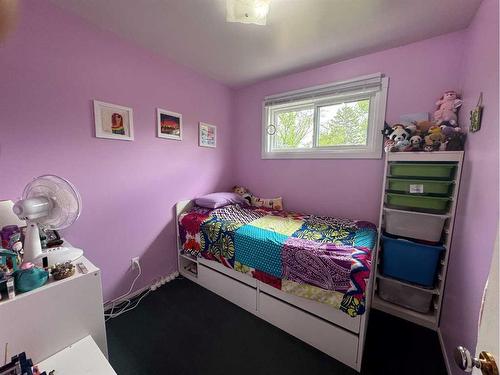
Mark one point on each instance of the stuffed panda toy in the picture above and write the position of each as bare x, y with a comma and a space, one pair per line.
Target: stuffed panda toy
399, 133
397, 138
416, 143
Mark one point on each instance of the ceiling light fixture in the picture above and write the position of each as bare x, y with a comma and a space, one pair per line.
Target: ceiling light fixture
247, 11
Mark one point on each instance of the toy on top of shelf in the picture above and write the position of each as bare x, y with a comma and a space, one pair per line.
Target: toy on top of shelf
423, 127
455, 141
434, 139
397, 137
416, 142
424, 135
448, 107
447, 128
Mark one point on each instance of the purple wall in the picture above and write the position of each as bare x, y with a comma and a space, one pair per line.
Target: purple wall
51, 68
477, 215
349, 188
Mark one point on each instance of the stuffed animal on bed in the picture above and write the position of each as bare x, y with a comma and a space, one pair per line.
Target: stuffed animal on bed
244, 193
274, 203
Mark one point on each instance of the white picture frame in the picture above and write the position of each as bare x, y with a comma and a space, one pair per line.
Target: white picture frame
107, 122
207, 135
168, 124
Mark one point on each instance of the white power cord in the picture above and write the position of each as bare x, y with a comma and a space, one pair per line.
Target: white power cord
126, 308
122, 304
127, 302
130, 289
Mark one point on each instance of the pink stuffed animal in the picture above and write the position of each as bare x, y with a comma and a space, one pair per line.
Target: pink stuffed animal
448, 106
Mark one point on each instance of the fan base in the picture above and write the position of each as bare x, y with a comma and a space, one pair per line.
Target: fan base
61, 254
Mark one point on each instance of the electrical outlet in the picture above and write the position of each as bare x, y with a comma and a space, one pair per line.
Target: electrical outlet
134, 263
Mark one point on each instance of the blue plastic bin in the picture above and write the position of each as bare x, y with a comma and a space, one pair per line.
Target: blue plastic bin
410, 261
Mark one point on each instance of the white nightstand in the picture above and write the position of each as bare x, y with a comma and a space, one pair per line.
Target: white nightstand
60, 313
81, 358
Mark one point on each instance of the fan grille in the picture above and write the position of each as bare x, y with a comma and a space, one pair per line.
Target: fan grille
67, 203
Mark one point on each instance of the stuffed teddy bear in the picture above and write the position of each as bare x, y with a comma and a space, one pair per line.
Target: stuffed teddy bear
433, 139
273, 203
448, 106
423, 127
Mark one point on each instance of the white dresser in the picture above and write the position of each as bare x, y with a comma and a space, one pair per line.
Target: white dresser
81, 358
48, 319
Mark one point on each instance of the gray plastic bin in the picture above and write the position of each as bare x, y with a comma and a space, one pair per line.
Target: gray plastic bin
418, 225
406, 296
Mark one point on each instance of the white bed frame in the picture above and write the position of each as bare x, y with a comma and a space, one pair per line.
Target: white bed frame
321, 326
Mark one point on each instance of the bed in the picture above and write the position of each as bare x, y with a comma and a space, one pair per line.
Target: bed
309, 275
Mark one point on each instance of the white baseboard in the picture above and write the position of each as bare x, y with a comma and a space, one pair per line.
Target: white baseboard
445, 354
135, 293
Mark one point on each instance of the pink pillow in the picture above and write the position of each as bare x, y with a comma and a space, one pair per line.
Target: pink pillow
216, 200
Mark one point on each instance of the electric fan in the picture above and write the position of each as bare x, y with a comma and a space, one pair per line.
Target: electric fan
54, 203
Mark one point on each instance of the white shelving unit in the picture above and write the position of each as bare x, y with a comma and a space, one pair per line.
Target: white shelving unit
430, 319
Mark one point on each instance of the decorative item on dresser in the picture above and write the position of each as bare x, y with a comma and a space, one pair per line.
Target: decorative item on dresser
417, 214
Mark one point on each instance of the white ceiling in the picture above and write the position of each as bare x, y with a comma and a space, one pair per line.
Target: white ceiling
299, 33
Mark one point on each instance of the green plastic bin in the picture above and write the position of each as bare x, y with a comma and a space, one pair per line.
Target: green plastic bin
418, 202
402, 185
424, 170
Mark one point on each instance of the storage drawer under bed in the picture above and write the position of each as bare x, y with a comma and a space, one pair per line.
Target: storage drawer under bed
232, 289
330, 339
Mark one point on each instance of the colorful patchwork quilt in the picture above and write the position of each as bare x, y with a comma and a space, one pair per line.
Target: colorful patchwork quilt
317, 257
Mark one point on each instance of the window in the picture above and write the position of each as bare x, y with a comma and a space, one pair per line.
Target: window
341, 120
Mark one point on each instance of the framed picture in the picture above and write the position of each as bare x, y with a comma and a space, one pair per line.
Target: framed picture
113, 121
169, 124
207, 135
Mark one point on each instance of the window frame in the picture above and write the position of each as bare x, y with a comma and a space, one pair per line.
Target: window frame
376, 118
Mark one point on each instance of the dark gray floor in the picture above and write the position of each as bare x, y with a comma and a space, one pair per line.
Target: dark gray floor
185, 329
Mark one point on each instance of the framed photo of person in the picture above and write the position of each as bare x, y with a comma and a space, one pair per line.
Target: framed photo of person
168, 124
113, 121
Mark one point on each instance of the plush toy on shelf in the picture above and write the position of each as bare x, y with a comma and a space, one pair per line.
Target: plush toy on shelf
397, 138
441, 134
448, 107
434, 139
422, 127
455, 141
447, 128
416, 143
